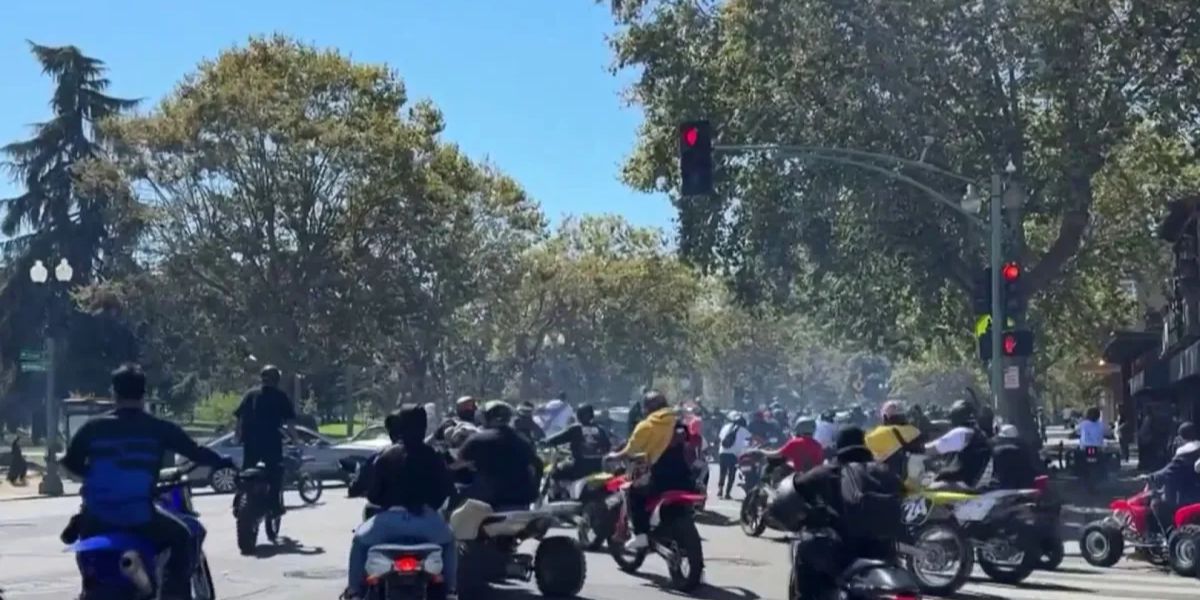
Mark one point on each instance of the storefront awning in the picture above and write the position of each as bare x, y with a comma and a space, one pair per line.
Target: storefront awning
1186, 363
1127, 346
1155, 375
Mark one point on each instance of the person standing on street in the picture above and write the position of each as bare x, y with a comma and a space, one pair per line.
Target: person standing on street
261, 418
734, 439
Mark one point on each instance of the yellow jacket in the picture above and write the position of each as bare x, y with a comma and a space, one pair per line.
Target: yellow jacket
884, 442
652, 436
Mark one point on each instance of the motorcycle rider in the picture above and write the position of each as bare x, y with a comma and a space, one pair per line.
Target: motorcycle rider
264, 411
589, 444
526, 425
969, 446
827, 431
454, 430
1178, 483
846, 510
1015, 464
895, 439
661, 437
762, 429
557, 415
410, 483
119, 455
507, 468
802, 452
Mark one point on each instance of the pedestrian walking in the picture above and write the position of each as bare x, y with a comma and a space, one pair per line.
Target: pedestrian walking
734, 440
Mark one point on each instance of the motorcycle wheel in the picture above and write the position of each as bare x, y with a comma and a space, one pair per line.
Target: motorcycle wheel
752, 520
559, 567
310, 489
1182, 550
1014, 573
1053, 553
202, 582
1101, 544
962, 552
247, 534
687, 568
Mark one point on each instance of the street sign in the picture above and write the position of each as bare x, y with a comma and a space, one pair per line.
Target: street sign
32, 356
1012, 378
33, 367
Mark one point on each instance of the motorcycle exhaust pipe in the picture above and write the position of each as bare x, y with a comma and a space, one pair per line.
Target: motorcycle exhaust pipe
135, 571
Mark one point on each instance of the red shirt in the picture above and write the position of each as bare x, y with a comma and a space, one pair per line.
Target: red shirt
803, 452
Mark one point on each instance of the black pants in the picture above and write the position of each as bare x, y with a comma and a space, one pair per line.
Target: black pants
1163, 518
272, 465
166, 532
727, 463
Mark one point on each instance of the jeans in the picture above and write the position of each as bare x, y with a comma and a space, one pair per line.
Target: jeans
166, 532
727, 476
391, 525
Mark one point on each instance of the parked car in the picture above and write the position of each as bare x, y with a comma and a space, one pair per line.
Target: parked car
324, 451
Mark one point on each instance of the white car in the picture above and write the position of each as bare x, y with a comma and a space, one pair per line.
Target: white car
324, 451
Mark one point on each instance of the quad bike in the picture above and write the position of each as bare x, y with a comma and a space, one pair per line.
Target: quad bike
488, 549
673, 534
1103, 542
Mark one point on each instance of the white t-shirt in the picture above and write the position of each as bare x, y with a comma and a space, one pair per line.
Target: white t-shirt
741, 439
826, 434
1091, 433
953, 441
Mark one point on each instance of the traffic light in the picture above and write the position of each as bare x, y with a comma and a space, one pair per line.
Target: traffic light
1013, 343
696, 158
981, 298
1014, 298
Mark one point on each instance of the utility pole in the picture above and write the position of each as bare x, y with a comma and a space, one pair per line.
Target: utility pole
997, 253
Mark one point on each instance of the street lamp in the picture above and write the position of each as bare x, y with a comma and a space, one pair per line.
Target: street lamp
51, 484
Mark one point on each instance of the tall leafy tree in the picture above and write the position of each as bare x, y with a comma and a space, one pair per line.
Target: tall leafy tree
67, 210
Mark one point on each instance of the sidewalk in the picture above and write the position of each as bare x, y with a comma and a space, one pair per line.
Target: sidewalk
29, 491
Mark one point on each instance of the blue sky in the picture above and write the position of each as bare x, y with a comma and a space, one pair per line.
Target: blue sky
524, 83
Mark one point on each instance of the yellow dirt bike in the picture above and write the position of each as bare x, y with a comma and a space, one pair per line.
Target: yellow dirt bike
998, 529
593, 525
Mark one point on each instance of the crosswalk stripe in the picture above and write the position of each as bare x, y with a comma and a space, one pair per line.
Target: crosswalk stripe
1105, 584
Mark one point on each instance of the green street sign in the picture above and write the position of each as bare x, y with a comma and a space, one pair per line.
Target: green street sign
33, 356
33, 367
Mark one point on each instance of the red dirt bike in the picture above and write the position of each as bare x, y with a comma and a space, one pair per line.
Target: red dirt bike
1102, 542
673, 533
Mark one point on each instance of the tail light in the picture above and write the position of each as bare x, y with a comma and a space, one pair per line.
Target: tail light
1091, 451
903, 596
408, 564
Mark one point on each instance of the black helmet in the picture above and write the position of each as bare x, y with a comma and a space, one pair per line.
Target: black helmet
654, 401
497, 412
961, 414
585, 413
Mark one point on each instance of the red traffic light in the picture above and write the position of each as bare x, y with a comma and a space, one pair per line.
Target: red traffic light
691, 135
1010, 344
1011, 272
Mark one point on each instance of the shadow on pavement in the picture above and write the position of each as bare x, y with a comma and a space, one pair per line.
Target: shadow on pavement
286, 545
706, 591
714, 518
1036, 586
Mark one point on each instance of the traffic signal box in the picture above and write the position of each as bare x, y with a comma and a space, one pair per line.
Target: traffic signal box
696, 158
1015, 342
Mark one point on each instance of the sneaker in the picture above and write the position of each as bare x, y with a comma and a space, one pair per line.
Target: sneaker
639, 542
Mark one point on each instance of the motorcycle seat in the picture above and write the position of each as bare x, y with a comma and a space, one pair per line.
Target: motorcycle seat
400, 548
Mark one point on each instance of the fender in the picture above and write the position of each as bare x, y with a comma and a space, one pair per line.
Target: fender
672, 498
1189, 514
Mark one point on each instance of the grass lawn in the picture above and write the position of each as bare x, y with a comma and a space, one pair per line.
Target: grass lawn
338, 430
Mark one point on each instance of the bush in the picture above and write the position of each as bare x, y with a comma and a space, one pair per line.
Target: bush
218, 408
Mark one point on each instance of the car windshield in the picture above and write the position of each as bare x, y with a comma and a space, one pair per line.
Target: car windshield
373, 432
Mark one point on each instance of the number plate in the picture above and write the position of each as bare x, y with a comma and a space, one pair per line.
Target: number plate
916, 510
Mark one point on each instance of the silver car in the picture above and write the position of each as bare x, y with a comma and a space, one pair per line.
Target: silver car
324, 451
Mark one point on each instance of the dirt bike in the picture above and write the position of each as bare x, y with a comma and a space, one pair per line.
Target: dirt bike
593, 523
1102, 543
673, 534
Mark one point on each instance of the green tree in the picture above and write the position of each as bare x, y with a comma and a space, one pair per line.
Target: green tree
67, 210
1055, 87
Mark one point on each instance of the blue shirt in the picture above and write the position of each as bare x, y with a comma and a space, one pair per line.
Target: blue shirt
1091, 433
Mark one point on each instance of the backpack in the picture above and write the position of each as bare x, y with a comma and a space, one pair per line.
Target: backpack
871, 502
730, 438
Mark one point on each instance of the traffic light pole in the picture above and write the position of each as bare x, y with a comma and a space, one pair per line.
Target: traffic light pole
996, 250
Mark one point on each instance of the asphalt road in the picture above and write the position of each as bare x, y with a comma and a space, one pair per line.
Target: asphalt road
312, 565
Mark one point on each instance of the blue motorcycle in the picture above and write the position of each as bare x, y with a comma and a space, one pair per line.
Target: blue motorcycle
123, 566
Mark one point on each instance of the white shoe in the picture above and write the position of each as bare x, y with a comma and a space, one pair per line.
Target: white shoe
639, 542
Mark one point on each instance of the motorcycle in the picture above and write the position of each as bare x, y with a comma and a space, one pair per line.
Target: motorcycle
404, 569
758, 478
253, 507
673, 534
594, 521
309, 487
488, 549
863, 580
1102, 543
1048, 513
123, 565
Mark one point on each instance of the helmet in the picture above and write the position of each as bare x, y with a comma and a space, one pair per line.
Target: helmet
733, 415
654, 400
961, 413
497, 412
585, 413
1009, 431
805, 426
464, 408
893, 412
525, 409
